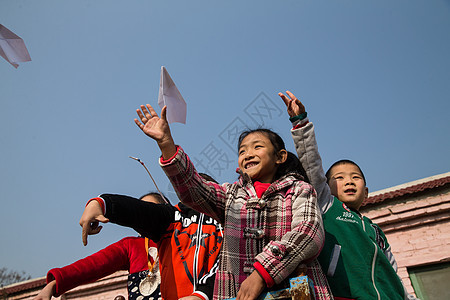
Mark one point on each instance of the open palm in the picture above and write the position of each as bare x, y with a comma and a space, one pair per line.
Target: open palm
151, 124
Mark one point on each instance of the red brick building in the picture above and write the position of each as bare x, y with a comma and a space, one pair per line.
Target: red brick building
415, 217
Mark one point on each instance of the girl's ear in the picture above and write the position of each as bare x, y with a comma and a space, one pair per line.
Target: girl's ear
281, 156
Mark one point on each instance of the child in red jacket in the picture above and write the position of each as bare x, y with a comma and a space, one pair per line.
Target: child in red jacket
138, 255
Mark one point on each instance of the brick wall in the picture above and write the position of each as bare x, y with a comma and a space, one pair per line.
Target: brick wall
417, 226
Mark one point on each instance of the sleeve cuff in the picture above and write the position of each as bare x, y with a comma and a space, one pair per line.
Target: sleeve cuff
300, 123
164, 162
100, 201
53, 274
50, 277
264, 274
201, 295
298, 117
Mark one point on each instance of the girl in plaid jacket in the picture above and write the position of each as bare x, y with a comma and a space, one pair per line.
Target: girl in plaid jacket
272, 223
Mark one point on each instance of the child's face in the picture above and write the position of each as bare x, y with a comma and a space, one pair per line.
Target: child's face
347, 184
258, 159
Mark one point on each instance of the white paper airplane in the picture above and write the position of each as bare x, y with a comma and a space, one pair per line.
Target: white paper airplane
12, 47
171, 97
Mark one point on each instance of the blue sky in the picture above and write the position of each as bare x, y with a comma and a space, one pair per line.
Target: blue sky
374, 77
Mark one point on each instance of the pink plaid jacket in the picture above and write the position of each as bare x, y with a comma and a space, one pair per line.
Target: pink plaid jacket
280, 230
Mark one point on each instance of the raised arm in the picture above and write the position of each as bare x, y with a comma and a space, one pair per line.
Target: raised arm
307, 149
194, 191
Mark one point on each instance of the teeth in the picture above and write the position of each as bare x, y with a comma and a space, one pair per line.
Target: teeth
250, 165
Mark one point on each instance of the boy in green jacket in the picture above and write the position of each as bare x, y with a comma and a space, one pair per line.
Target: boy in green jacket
356, 257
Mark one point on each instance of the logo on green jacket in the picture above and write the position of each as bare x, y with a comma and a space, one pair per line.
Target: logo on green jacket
347, 216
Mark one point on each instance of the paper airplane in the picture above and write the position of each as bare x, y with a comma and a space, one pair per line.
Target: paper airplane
171, 97
12, 47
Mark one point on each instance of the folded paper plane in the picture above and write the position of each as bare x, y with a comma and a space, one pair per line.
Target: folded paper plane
171, 97
12, 47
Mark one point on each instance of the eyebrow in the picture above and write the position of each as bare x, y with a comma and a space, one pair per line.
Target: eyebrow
251, 143
351, 173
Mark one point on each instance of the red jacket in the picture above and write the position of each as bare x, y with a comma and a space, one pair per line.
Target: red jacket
127, 254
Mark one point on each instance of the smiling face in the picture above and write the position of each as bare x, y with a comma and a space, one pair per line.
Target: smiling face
258, 159
347, 184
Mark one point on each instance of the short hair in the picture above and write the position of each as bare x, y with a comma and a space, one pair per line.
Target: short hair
343, 162
160, 199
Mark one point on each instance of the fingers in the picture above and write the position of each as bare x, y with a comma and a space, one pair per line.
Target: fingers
102, 219
84, 234
140, 114
286, 100
91, 228
164, 113
290, 107
145, 113
139, 124
293, 104
96, 230
292, 96
299, 103
152, 112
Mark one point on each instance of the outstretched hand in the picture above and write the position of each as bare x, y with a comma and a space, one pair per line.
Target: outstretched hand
152, 125
294, 106
47, 292
90, 219
157, 128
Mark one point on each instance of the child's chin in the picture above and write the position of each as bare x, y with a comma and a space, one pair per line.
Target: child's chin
352, 203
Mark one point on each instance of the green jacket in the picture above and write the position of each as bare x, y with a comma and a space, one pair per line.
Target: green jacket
356, 256
352, 259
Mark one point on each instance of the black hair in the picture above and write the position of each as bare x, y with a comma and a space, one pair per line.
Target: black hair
292, 163
159, 198
343, 162
207, 177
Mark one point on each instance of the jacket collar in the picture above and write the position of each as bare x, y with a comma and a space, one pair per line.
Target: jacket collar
255, 202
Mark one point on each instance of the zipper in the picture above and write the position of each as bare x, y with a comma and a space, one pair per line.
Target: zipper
197, 249
374, 258
373, 271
